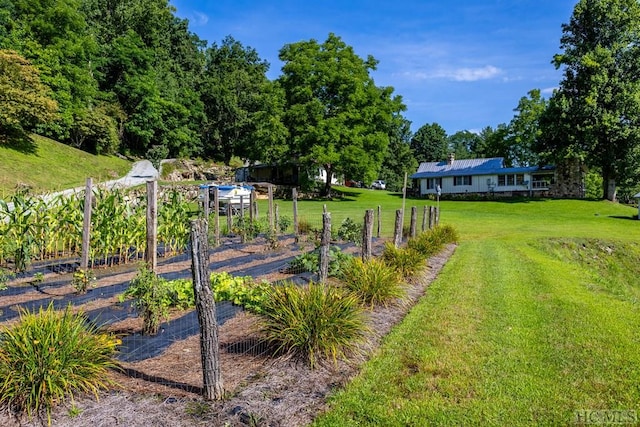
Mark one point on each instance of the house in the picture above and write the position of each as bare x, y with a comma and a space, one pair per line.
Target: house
482, 176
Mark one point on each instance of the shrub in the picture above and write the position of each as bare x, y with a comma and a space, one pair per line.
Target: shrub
151, 297
312, 322
49, 356
350, 231
242, 291
82, 279
406, 261
310, 262
373, 281
284, 222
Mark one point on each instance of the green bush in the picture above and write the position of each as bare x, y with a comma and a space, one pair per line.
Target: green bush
242, 291
310, 262
313, 322
350, 231
373, 281
49, 356
151, 297
406, 261
430, 242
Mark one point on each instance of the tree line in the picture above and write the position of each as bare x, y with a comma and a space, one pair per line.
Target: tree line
127, 76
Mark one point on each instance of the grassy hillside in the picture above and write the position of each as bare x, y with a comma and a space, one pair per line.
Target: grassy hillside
533, 321
46, 165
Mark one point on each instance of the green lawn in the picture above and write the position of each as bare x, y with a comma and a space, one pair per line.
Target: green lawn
534, 317
48, 166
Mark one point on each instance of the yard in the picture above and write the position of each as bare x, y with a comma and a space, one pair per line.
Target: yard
533, 319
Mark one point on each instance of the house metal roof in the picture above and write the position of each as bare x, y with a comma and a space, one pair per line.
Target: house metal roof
465, 167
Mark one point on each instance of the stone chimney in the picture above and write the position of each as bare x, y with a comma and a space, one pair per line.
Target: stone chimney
451, 158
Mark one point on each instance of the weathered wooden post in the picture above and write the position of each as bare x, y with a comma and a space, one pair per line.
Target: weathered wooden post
437, 221
432, 216
276, 218
252, 205
367, 235
296, 230
243, 228
151, 256
216, 224
205, 203
86, 225
414, 221
379, 221
229, 218
271, 222
206, 309
325, 242
397, 230
241, 206
425, 217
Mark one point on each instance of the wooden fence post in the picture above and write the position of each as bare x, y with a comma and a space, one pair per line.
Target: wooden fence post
86, 225
216, 224
296, 230
379, 221
205, 203
425, 217
252, 203
271, 223
276, 219
206, 309
397, 230
325, 241
432, 216
437, 221
414, 221
152, 225
367, 235
229, 218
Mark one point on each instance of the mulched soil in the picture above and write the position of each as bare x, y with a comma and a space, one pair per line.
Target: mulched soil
261, 390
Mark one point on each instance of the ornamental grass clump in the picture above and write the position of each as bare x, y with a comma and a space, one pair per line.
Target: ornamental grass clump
430, 242
406, 261
313, 322
49, 356
374, 282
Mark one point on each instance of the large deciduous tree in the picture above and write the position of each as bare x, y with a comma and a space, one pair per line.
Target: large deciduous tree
24, 100
241, 105
399, 159
595, 114
337, 118
430, 144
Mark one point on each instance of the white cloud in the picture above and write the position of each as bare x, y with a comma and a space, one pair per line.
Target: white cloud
549, 90
198, 18
455, 74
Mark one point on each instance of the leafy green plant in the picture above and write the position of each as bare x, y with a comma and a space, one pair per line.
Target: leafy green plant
49, 356
407, 261
5, 276
151, 297
312, 322
181, 293
242, 291
82, 279
350, 231
284, 222
373, 282
310, 261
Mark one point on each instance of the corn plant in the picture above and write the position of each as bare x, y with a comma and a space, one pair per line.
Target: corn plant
173, 222
20, 236
49, 356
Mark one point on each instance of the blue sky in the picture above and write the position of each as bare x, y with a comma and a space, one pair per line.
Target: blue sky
462, 64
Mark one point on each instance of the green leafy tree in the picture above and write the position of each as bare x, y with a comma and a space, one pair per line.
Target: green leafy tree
520, 142
464, 144
243, 108
337, 118
595, 114
399, 158
24, 99
429, 143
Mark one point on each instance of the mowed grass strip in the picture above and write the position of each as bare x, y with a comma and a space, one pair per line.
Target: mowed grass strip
506, 335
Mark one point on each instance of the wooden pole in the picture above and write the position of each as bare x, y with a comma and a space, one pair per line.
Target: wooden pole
432, 216
205, 203
86, 225
296, 230
271, 223
229, 218
414, 221
216, 224
437, 221
325, 241
397, 230
425, 217
379, 222
276, 218
206, 308
367, 235
151, 257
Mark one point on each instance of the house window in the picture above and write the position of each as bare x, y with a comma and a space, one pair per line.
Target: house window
433, 182
511, 180
462, 180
